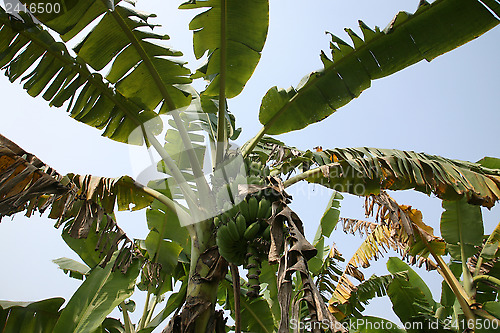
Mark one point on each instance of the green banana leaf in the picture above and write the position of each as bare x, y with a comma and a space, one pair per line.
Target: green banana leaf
396, 265
490, 162
98, 295
493, 308
432, 30
364, 171
448, 298
410, 299
462, 228
74, 268
174, 302
165, 241
233, 48
268, 276
95, 104
330, 217
327, 223
29, 317
256, 315
490, 248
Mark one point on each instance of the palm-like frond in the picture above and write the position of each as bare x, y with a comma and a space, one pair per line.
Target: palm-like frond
400, 228
23, 177
141, 77
84, 204
432, 30
375, 286
365, 171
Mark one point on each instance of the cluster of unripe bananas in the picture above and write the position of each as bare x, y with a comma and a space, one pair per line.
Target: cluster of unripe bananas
241, 225
243, 233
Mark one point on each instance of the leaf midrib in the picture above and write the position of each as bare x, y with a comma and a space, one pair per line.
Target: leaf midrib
333, 67
257, 319
101, 286
81, 70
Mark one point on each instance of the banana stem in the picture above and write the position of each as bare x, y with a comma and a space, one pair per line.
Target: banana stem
142, 322
487, 278
236, 291
178, 209
302, 176
129, 328
451, 280
221, 116
479, 263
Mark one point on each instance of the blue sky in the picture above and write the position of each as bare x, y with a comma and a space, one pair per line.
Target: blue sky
448, 107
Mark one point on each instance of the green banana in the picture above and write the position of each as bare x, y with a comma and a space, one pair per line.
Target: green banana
233, 230
269, 212
253, 208
233, 251
225, 217
243, 207
217, 221
241, 224
264, 205
233, 211
252, 231
266, 234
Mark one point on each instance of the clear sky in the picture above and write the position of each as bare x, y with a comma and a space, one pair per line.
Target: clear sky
448, 107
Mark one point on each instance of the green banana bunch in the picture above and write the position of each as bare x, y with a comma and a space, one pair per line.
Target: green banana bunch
229, 239
243, 229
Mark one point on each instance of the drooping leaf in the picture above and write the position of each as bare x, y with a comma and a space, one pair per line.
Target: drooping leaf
375, 286
396, 265
331, 215
142, 71
24, 177
91, 98
364, 171
233, 47
461, 227
30, 317
84, 204
408, 301
75, 269
431, 31
98, 295
492, 245
400, 228
293, 262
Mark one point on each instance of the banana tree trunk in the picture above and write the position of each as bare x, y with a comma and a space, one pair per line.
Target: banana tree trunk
207, 270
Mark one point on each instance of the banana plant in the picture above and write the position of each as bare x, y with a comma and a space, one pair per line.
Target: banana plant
469, 296
203, 230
